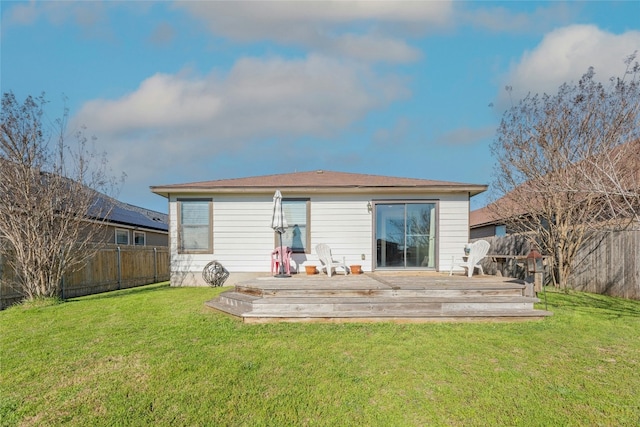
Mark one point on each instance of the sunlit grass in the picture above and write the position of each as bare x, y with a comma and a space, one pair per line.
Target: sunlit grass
157, 356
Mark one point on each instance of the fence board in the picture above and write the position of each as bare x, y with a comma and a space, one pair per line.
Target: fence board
110, 269
608, 262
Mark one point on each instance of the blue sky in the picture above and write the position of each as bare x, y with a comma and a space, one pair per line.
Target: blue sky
190, 91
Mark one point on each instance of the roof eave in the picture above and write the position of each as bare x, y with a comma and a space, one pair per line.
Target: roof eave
471, 189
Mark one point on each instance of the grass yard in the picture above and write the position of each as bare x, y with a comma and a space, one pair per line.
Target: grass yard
156, 355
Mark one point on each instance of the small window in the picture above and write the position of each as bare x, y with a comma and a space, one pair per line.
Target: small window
501, 230
195, 226
139, 238
122, 237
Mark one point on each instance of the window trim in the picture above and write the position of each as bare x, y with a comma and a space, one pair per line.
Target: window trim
180, 248
144, 238
307, 200
121, 230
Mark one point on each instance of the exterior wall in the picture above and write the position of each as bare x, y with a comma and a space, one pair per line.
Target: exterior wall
243, 239
453, 231
157, 239
345, 224
153, 238
483, 232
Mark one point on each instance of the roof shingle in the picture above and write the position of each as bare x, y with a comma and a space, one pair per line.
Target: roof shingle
319, 179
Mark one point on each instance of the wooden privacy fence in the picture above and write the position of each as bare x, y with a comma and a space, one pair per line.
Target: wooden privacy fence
112, 268
608, 262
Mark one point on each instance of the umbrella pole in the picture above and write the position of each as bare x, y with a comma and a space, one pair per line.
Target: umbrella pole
281, 270
281, 258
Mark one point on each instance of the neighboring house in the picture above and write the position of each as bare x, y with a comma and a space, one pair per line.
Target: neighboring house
126, 224
132, 225
483, 223
378, 222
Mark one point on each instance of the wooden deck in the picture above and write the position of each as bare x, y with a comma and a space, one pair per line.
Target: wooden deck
379, 297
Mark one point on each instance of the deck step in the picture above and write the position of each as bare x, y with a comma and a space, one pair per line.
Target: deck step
369, 299
355, 292
398, 317
409, 305
234, 303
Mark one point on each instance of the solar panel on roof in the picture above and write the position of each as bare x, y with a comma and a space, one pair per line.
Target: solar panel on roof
131, 215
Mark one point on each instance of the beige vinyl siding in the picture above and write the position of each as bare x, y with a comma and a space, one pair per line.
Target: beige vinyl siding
345, 225
243, 238
454, 230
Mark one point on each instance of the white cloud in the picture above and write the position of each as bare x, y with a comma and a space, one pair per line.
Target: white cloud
503, 19
184, 120
57, 12
161, 101
372, 48
21, 14
91, 17
365, 30
564, 55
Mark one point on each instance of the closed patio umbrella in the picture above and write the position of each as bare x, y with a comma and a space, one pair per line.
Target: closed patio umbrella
279, 225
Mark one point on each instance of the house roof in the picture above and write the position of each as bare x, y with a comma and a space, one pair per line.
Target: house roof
480, 217
626, 159
117, 212
319, 181
126, 214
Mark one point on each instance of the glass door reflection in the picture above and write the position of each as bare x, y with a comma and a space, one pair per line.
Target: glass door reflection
405, 235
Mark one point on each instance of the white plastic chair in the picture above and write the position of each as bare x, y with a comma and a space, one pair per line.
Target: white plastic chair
478, 251
328, 264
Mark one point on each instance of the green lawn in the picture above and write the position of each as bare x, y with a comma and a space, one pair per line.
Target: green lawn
157, 356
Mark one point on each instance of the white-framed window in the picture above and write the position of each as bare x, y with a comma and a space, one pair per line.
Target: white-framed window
297, 235
122, 236
139, 238
195, 226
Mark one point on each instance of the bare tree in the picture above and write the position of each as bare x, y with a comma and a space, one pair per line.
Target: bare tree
567, 164
51, 215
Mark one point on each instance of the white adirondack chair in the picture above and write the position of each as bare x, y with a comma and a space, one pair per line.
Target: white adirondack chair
327, 261
478, 251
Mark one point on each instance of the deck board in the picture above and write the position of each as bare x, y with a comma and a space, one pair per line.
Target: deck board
373, 297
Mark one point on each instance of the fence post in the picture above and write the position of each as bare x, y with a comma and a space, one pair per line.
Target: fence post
59, 266
1, 284
119, 266
155, 265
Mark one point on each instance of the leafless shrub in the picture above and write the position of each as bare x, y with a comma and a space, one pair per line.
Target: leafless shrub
50, 216
569, 164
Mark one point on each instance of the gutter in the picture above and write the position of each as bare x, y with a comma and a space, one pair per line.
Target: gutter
356, 189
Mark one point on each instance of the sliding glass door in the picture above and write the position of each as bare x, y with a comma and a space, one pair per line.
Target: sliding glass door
405, 235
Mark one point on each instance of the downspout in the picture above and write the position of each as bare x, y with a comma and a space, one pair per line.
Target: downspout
469, 216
